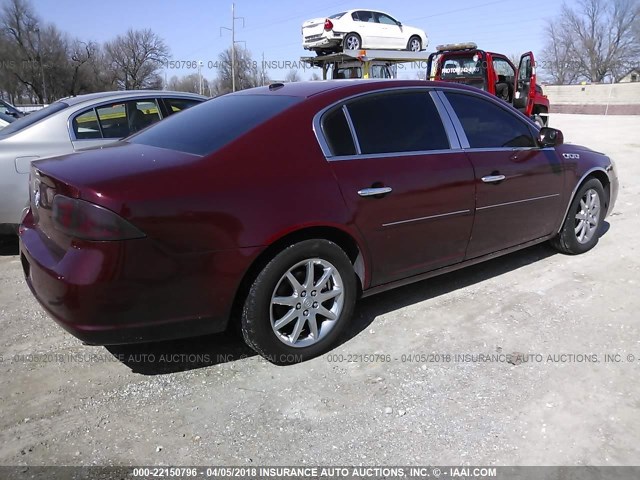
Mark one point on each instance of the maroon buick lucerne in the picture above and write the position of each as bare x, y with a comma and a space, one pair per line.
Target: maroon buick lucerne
277, 207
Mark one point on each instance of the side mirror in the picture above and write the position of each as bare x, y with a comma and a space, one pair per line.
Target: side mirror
399, 24
550, 137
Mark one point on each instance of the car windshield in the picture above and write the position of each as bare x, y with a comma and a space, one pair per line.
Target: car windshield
461, 66
207, 127
35, 117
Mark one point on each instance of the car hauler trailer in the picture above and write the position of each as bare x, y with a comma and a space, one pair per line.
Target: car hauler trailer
364, 63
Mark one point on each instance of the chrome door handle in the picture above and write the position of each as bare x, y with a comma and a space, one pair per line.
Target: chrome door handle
493, 178
372, 192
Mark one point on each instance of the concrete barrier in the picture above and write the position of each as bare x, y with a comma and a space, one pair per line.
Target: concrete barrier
600, 99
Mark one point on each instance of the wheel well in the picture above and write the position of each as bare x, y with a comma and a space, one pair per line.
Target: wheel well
345, 241
603, 178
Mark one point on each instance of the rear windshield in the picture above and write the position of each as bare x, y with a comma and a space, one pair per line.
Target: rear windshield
336, 16
461, 66
32, 118
207, 127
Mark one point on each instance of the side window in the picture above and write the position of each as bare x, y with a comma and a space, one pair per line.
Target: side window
502, 67
336, 132
489, 126
178, 104
398, 122
362, 16
525, 69
119, 120
85, 126
385, 19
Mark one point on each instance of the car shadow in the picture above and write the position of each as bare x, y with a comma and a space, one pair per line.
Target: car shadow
160, 358
9, 246
368, 309
201, 352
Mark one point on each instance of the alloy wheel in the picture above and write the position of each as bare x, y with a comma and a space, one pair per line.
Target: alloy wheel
306, 303
588, 216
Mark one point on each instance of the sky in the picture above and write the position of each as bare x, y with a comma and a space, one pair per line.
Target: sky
192, 28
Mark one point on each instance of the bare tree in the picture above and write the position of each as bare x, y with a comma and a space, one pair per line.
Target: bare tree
188, 83
593, 41
292, 76
246, 71
136, 59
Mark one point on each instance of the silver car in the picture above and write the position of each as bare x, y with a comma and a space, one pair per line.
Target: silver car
73, 124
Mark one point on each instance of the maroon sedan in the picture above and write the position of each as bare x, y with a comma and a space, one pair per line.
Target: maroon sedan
278, 207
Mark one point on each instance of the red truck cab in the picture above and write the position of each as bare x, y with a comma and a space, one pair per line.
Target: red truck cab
493, 73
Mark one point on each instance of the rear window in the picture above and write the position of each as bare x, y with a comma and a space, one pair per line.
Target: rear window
461, 66
207, 127
32, 118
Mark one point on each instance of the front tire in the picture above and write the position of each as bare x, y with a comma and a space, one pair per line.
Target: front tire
414, 44
352, 41
581, 229
300, 302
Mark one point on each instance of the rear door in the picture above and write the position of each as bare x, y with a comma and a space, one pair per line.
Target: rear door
525, 88
518, 185
409, 192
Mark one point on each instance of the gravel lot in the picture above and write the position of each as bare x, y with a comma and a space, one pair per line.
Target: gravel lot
68, 404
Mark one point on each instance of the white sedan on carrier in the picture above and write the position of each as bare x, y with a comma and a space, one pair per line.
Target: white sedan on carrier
356, 29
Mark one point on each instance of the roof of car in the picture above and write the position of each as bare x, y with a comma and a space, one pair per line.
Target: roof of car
115, 95
311, 88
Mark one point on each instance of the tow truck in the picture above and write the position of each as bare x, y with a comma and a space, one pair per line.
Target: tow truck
363, 63
494, 73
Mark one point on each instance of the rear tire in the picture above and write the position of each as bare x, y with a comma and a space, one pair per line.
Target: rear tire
300, 302
581, 228
414, 44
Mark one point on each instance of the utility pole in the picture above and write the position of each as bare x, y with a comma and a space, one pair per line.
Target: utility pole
233, 43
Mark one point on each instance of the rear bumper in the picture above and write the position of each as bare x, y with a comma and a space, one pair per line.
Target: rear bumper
108, 293
324, 42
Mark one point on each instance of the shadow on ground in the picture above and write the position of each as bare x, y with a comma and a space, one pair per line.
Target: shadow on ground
8, 246
368, 309
160, 358
201, 352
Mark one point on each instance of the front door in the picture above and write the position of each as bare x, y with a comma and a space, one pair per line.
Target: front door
525, 87
518, 185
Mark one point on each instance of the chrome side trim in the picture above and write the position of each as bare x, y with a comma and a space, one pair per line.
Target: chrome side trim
459, 212
575, 190
391, 155
518, 201
352, 129
464, 142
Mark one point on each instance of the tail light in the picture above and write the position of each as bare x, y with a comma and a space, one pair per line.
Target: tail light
85, 220
328, 25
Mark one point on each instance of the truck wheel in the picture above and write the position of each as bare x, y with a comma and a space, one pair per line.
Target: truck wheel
300, 302
352, 42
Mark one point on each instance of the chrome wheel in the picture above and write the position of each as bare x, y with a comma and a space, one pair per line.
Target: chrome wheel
306, 303
588, 216
415, 45
352, 42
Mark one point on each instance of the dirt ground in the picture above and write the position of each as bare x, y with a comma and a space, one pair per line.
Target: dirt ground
211, 401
